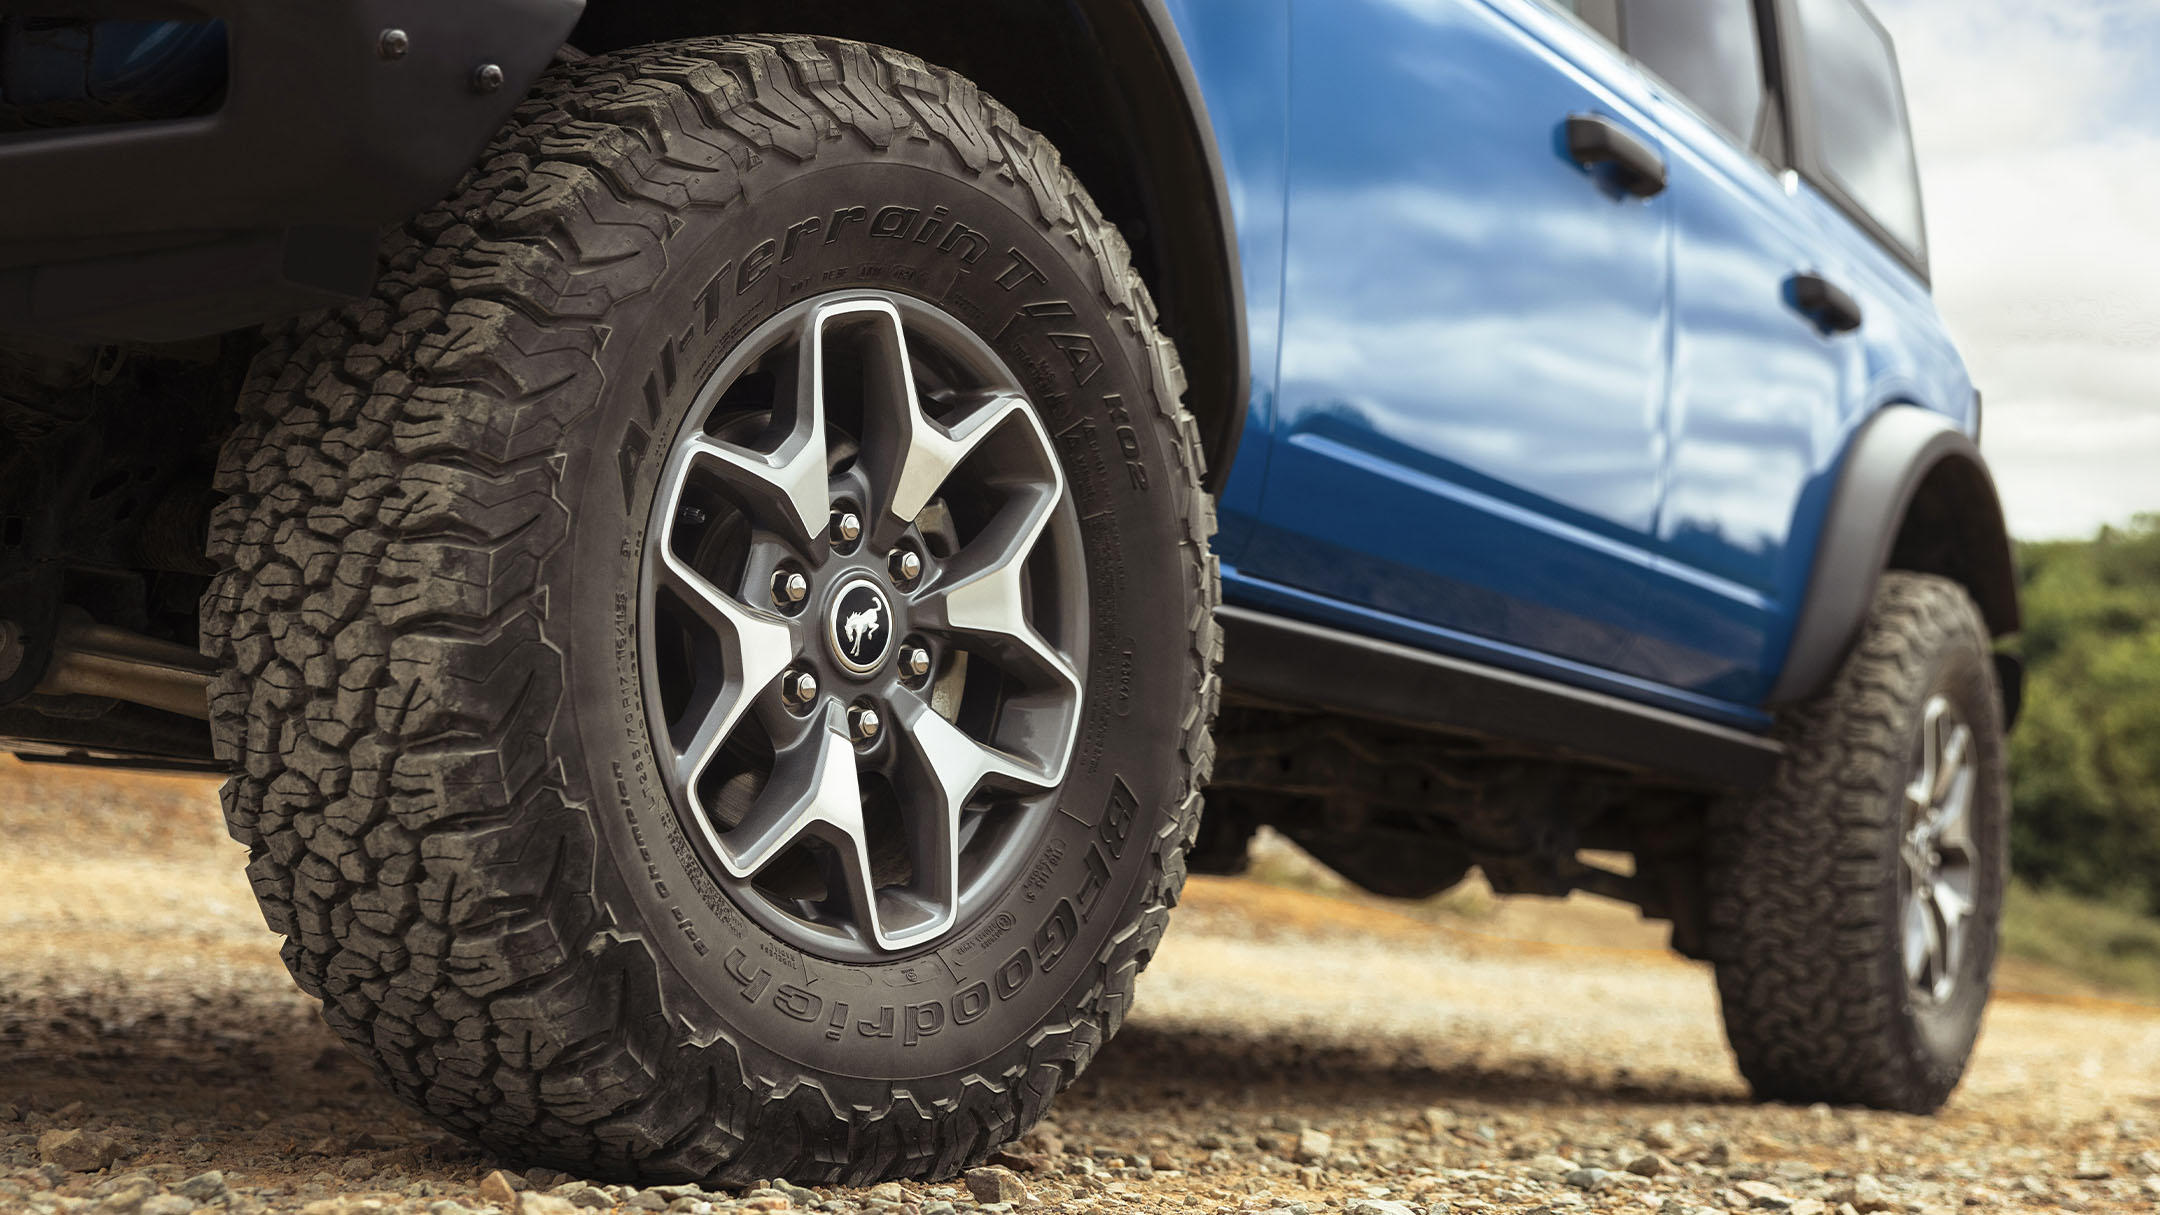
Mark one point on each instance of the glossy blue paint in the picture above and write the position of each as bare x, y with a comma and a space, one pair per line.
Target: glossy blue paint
1468, 425
1240, 52
1504, 411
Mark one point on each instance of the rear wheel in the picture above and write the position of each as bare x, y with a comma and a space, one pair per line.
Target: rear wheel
721, 644
1854, 905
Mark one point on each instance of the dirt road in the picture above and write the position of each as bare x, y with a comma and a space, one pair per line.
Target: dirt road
1290, 1050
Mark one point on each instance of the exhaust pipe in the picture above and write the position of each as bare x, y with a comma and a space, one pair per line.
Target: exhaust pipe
99, 660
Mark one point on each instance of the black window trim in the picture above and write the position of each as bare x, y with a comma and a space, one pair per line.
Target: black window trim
1769, 143
1804, 150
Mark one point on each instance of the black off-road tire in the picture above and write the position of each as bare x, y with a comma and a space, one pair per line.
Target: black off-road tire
1803, 878
429, 559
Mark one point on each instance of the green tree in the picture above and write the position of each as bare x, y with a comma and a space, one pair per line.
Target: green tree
2085, 759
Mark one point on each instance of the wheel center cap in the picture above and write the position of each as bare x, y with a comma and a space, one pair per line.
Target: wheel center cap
860, 626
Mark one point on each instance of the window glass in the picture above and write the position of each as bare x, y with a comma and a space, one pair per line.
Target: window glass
1859, 113
1708, 50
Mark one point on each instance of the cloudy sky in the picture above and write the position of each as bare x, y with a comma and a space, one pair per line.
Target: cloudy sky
2040, 157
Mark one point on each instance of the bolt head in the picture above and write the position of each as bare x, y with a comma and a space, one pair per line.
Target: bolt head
800, 687
846, 526
906, 565
392, 44
789, 587
865, 723
487, 78
914, 661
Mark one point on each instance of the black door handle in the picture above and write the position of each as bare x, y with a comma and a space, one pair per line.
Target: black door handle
1594, 139
1825, 303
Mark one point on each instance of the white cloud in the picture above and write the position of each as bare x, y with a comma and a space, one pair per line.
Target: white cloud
2040, 158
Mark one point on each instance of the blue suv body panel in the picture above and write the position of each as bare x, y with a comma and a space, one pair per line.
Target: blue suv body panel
1506, 411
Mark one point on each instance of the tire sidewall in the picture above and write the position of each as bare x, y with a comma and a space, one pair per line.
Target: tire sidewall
1023, 962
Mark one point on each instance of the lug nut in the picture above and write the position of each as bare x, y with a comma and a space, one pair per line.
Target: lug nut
846, 526
789, 588
392, 44
799, 687
906, 566
914, 661
487, 78
863, 722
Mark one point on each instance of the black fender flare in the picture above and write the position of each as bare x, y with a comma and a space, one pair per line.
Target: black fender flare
1913, 491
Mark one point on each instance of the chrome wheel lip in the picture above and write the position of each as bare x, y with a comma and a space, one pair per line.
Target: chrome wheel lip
931, 756
1938, 860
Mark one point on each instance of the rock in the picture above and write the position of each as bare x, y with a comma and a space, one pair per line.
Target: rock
1550, 1168
2089, 1169
204, 1187
1808, 1206
888, 1191
496, 1188
1312, 1146
2144, 1164
127, 1195
1439, 1120
1662, 1136
166, 1204
647, 1201
545, 1204
1763, 1196
1021, 1162
798, 1195
1866, 1194
1381, 1206
77, 1151
993, 1184
1649, 1165
1586, 1179
345, 1205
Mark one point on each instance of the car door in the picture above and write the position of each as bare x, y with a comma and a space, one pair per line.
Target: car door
1469, 426
1758, 385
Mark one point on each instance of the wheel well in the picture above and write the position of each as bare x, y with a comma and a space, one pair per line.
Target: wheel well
1108, 83
1953, 526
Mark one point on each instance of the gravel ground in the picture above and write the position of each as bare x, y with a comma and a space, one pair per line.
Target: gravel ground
1291, 1052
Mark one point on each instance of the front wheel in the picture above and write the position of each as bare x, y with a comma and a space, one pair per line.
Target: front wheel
1854, 905
721, 643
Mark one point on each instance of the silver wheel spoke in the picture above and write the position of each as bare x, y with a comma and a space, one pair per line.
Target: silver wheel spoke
815, 791
788, 488
754, 648
1950, 759
909, 455
1953, 815
945, 769
983, 591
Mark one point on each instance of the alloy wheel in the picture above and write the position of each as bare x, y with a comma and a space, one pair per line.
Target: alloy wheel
863, 618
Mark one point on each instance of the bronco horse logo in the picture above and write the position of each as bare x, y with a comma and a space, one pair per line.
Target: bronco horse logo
860, 625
